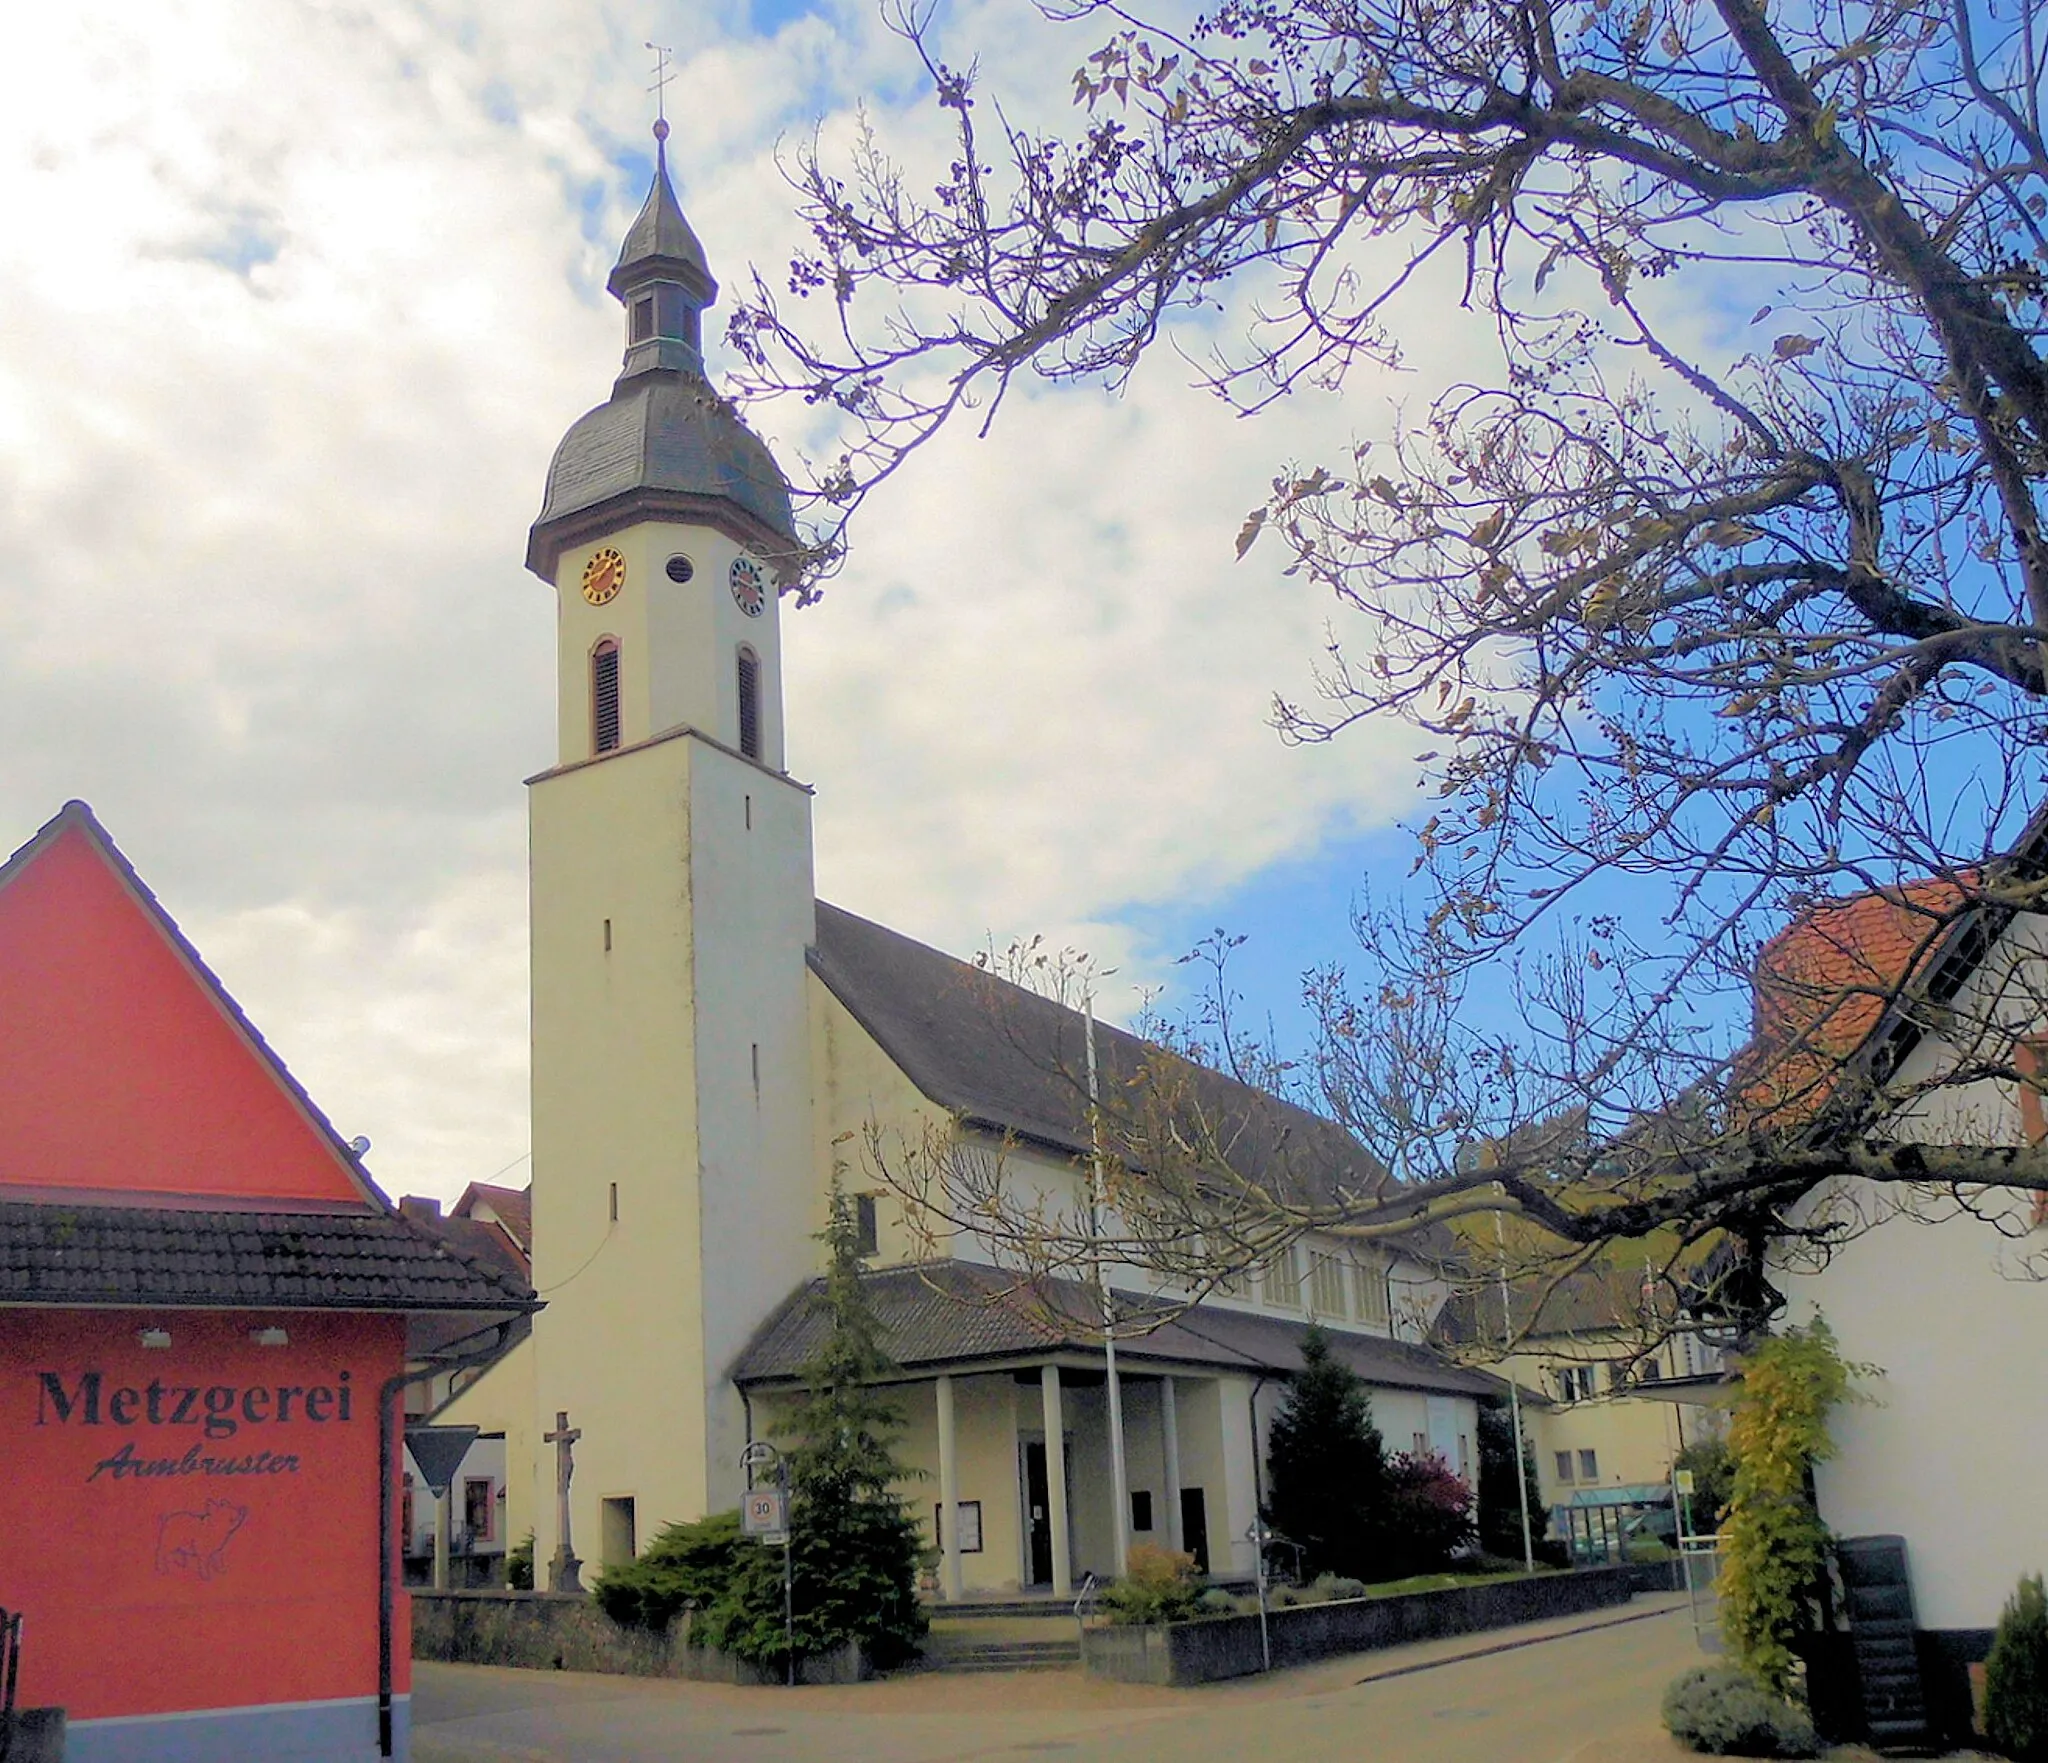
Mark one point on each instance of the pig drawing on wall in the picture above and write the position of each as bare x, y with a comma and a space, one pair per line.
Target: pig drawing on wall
197, 1542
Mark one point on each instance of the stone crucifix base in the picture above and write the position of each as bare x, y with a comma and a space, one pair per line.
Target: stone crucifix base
565, 1573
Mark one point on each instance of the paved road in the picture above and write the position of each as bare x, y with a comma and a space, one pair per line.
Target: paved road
1576, 1694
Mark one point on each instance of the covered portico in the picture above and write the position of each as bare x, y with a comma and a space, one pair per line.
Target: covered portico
1005, 1404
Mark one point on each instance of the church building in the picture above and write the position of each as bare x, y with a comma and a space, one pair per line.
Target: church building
713, 1046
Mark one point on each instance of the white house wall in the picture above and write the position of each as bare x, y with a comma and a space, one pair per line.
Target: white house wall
1949, 1454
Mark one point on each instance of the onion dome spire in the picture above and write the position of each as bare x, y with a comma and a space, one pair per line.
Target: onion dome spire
663, 279
665, 445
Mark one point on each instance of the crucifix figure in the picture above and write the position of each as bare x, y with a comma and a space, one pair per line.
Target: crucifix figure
564, 1571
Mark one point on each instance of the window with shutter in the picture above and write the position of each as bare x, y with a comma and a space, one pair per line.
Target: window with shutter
750, 703
1326, 1286
604, 696
1371, 1279
1282, 1280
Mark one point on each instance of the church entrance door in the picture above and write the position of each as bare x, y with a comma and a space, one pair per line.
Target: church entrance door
1038, 1512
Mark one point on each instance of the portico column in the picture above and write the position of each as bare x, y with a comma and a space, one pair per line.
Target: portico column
949, 1497
1169, 1436
1056, 1479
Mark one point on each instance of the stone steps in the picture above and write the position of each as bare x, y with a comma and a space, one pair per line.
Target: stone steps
1045, 1655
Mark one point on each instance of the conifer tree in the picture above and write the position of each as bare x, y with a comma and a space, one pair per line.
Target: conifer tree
1500, 1503
1326, 1467
854, 1548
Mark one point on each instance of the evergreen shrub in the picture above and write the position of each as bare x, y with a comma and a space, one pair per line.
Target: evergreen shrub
686, 1565
1326, 1468
519, 1565
2016, 1676
1500, 1505
855, 1550
1725, 1712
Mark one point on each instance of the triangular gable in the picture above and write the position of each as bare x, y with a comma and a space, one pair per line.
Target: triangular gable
125, 1068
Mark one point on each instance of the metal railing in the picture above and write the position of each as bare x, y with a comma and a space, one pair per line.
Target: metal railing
1091, 1591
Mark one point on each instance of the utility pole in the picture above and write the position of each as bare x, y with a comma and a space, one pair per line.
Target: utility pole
1096, 1204
1507, 1335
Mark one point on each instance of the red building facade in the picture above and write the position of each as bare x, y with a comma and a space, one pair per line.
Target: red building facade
208, 1316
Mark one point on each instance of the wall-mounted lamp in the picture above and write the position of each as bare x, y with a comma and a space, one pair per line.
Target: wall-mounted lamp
270, 1337
154, 1337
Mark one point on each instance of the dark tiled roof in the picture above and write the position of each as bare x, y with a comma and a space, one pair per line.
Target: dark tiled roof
954, 1313
1008, 1059
54, 1253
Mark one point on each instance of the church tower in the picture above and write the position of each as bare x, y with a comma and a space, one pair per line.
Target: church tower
671, 906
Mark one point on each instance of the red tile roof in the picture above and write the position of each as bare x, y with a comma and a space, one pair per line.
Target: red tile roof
1825, 982
513, 1208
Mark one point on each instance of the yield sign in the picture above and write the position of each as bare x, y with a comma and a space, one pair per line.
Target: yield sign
439, 1451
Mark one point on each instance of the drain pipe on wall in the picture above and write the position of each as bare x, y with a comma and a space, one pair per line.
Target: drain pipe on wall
1259, 1525
387, 1477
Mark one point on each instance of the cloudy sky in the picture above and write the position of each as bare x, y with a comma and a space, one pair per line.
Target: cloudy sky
295, 301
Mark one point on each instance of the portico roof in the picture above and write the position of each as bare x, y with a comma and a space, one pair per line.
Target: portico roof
943, 1315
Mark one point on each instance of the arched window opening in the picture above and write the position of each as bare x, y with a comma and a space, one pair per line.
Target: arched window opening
750, 703
604, 696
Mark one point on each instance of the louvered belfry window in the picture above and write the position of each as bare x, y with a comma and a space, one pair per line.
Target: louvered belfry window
604, 696
750, 703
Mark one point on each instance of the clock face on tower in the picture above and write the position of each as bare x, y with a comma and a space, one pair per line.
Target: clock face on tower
749, 586
603, 576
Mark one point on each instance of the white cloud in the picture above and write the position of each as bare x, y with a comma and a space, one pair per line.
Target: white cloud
298, 302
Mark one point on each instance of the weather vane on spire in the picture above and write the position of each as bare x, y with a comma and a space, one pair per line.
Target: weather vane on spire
662, 76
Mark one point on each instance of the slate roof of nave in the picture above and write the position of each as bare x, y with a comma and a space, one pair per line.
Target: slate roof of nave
942, 1313
1009, 1060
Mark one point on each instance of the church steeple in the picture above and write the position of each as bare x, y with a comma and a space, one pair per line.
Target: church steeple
663, 280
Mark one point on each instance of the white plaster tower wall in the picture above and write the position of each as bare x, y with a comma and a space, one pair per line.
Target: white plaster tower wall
672, 906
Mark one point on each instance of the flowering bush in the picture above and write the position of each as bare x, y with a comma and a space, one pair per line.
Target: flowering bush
1427, 1515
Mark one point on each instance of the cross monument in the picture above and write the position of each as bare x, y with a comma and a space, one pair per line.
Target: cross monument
564, 1570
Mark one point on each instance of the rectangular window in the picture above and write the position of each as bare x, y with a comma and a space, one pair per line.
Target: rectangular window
1141, 1508
1421, 1448
1575, 1382
674, 313
1564, 1465
643, 318
1589, 1466
477, 1508
1282, 1281
1326, 1286
1371, 1282
1464, 1457
867, 1237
